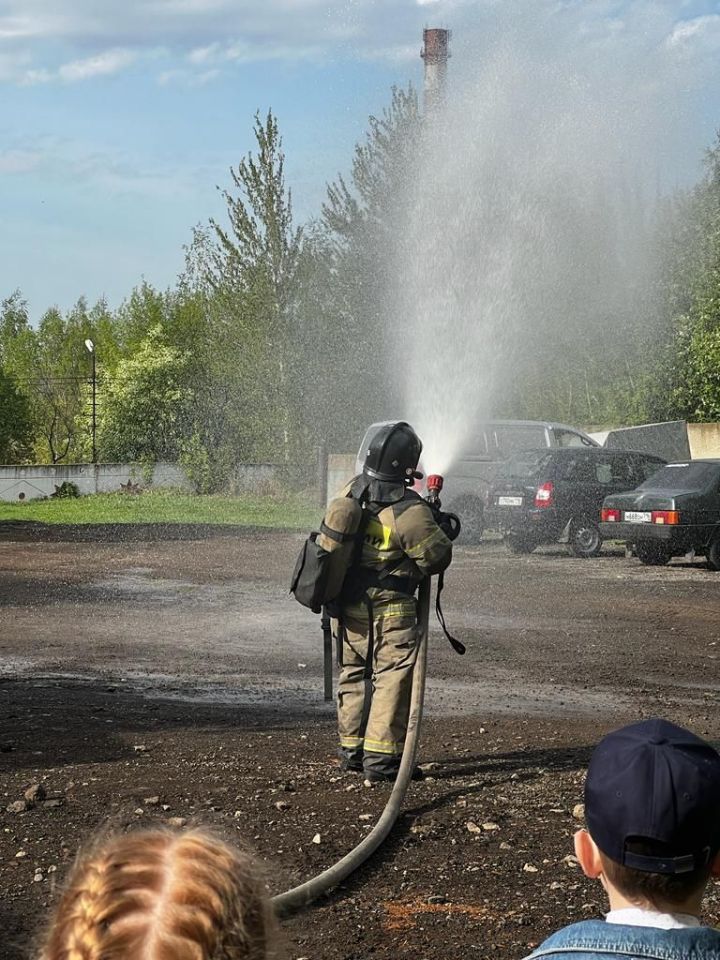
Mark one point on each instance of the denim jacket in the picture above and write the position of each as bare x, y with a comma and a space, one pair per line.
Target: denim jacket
597, 940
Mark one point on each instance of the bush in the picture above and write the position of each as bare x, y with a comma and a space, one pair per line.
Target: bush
66, 491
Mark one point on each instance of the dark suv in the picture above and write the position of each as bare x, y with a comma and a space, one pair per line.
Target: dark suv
545, 496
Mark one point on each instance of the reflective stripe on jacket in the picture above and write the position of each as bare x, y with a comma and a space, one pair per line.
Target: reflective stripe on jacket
404, 540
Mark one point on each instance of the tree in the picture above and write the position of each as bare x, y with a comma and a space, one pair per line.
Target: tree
144, 416
691, 362
251, 266
15, 422
51, 366
363, 219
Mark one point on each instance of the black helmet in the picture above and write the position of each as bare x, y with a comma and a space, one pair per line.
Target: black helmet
393, 453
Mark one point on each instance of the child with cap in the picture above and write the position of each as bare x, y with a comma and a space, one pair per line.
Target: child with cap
652, 807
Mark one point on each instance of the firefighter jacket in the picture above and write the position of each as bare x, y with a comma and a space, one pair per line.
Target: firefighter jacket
402, 545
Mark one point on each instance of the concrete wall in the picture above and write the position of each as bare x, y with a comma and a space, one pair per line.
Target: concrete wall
341, 469
40, 480
704, 439
675, 440
253, 477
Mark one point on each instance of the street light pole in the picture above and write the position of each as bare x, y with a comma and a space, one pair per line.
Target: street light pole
90, 347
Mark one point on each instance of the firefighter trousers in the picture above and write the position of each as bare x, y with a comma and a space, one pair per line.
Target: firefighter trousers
373, 710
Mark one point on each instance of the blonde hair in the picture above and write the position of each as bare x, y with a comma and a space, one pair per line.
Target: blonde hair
161, 895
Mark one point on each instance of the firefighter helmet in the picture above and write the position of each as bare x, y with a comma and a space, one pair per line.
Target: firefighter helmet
393, 453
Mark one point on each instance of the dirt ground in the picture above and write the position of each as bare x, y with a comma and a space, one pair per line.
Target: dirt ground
157, 677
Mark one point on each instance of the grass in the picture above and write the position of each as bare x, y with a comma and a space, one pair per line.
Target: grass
163, 506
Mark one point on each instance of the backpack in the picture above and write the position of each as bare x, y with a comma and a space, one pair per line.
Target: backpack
329, 553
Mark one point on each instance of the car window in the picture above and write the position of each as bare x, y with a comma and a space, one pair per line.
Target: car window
648, 467
622, 472
477, 447
678, 476
568, 438
604, 471
508, 439
576, 469
525, 465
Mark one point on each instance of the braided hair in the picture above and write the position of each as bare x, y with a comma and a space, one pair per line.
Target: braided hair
157, 895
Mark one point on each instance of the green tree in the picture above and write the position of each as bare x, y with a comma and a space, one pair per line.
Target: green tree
363, 217
251, 268
15, 423
690, 365
144, 416
52, 367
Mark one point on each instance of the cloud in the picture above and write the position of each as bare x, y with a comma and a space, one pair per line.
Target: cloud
110, 61
84, 39
202, 55
703, 30
61, 163
101, 65
81, 39
19, 161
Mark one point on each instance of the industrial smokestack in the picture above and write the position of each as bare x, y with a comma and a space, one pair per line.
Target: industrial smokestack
435, 53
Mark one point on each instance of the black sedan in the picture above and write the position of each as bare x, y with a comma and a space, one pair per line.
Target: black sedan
675, 511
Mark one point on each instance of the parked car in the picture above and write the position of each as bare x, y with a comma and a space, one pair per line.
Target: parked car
674, 511
468, 481
545, 496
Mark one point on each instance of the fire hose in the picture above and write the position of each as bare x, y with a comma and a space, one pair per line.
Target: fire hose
304, 894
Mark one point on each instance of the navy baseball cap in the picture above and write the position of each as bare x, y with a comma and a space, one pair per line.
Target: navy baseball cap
655, 782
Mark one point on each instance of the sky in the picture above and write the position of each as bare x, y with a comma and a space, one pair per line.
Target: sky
120, 118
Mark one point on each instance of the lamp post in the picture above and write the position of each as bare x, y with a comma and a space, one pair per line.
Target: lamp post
90, 347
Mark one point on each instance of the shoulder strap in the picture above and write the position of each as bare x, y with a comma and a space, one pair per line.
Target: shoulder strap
457, 646
335, 534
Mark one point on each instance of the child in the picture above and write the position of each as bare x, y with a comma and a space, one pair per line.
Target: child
652, 806
155, 894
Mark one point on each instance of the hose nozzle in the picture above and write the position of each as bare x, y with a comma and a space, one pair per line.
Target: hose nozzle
434, 486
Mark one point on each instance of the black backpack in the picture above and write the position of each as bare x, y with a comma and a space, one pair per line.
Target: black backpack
328, 554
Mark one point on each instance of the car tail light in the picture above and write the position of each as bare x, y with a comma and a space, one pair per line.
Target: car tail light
665, 516
544, 495
610, 515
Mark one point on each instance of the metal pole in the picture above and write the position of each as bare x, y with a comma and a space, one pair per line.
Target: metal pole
94, 409
322, 474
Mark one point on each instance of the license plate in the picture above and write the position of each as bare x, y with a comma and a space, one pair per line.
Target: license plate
510, 501
635, 516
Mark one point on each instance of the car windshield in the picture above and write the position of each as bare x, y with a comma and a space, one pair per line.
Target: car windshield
524, 465
681, 476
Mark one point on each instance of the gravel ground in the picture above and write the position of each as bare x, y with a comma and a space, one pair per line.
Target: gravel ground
143, 680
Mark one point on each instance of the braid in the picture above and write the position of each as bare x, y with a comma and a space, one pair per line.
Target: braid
78, 932
162, 896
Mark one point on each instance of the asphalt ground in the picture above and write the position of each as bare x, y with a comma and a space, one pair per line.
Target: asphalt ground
149, 679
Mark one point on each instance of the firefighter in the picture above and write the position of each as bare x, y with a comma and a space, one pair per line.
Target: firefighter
377, 610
